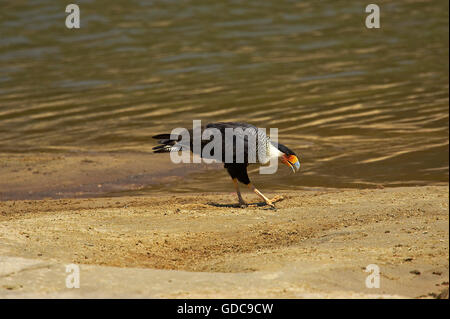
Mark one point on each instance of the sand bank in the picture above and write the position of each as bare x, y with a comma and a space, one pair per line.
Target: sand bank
316, 244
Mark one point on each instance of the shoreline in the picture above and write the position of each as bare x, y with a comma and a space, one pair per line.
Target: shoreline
86, 174
315, 245
77, 175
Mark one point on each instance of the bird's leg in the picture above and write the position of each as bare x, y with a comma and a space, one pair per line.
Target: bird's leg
238, 192
257, 192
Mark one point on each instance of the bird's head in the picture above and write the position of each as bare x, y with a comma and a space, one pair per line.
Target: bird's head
289, 158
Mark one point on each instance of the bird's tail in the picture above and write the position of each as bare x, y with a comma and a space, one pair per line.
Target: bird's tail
166, 144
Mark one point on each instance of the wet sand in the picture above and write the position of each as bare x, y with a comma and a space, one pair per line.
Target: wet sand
315, 244
82, 174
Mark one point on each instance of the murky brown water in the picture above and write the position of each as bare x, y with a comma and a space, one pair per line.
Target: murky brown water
362, 107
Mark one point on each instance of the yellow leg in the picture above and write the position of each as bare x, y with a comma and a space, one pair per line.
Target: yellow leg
257, 192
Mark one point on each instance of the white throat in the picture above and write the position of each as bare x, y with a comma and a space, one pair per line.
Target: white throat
274, 152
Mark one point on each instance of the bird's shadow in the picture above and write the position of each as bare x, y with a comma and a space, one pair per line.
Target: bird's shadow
259, 204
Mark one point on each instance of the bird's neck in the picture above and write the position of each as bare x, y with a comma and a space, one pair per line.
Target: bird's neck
274, 152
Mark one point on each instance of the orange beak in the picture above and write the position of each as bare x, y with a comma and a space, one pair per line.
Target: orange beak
291, 161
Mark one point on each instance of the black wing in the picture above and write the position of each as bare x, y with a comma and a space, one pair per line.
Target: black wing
242, 154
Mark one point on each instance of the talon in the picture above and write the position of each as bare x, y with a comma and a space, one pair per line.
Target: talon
270, 204
277, 198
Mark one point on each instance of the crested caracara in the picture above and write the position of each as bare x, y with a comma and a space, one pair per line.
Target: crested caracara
246, 145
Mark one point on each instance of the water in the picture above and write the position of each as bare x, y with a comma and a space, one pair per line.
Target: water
362, 107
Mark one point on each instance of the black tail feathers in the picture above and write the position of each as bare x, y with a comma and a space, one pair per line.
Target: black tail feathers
162, 137
165, 143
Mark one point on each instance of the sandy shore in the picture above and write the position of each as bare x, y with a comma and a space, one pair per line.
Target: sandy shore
75, 175
316, 244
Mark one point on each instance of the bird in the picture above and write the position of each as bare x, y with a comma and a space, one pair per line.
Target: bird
257, 148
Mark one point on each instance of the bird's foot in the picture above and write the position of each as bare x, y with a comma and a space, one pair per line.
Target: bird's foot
271, 202
277, 198
243, 204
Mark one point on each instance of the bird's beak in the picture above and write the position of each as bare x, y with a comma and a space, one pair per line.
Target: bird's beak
292, 162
